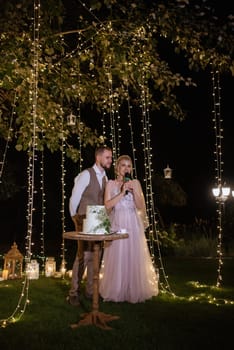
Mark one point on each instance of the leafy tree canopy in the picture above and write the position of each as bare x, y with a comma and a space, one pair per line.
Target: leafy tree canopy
61, 56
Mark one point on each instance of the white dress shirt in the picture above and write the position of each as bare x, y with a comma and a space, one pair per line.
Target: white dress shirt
81, 181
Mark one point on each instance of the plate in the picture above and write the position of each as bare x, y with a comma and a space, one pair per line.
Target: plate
96, 234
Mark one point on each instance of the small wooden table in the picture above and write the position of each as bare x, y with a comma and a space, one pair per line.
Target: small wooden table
95, 317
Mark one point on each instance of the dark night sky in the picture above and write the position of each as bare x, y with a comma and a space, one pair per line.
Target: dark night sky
188, 146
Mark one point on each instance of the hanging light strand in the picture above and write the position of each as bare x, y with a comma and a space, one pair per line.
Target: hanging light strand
63, 198
43, 210
218, 130
153, 232
33, 146
33, 94
80, 124
131, 130
2, 163
112, 113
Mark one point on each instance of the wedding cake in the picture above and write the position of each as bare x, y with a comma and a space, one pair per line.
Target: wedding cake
97, 220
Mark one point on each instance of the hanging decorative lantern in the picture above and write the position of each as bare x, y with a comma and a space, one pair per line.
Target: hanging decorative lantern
13, 262
50, 267
167, 172
71, 120
32, 270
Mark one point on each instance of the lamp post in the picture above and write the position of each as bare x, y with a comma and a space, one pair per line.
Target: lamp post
221, 194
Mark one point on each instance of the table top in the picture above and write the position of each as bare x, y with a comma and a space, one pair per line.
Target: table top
94, 237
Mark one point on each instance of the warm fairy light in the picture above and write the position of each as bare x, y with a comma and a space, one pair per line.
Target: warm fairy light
79, 121
2, 163
131, 131
21, 306
220, 192
111, 110
42, 235
152, 233
63, 197
32, 158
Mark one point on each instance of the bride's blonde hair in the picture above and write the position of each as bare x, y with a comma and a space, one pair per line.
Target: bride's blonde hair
123, 157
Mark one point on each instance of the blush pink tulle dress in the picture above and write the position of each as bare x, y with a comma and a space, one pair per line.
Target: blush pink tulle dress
127, 272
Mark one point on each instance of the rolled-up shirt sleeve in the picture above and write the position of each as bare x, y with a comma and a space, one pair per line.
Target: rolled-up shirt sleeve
81, 181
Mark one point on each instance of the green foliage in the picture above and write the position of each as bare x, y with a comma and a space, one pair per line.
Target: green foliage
197, 247
99, 58
8, 186
169, 192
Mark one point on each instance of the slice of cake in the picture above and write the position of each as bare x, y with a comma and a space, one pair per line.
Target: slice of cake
97, 220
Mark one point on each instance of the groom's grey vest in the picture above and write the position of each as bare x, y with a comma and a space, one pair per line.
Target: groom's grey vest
92, 195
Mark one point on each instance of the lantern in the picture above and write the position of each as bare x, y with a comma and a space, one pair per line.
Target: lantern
32, 270
167, 172
13, 262
69, 273
71, 120
5, 274
50, 267
63, 267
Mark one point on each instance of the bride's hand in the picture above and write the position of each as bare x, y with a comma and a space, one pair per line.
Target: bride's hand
129, 186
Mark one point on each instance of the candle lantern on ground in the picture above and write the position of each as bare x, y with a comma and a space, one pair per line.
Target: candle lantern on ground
13, 262
5, 274
32, 270
50, 267
63, 267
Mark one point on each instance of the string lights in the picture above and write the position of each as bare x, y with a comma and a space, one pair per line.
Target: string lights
134, 159
153, 232
80, 124
63, 198
111, 109
2, 163
42, 235
33, 96
110, 106
218, 129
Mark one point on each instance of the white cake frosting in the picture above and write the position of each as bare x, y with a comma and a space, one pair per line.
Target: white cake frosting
97, 220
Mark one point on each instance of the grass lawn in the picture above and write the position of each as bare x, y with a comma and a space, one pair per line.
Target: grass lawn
199, 316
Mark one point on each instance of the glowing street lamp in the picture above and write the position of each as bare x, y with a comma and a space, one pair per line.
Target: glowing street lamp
222, 193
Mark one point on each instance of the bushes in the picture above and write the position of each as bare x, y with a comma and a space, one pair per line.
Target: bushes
197, 247
195, 240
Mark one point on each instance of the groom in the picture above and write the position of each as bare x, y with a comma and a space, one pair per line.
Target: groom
88, 189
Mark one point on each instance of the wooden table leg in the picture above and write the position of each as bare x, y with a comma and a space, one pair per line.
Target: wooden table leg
95, 317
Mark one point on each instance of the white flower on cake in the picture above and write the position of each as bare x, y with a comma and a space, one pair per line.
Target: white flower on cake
97, 220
